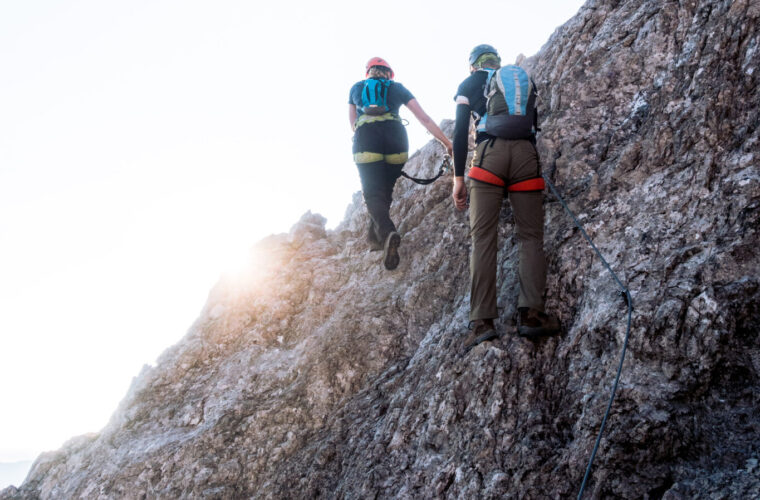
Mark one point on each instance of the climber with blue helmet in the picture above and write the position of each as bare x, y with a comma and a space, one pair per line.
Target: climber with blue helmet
505, 163
381, 147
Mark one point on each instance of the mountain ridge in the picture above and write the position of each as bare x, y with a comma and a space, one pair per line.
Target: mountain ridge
316, 373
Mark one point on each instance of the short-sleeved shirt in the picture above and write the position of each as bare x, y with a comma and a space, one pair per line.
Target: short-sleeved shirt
471, 93
398, 95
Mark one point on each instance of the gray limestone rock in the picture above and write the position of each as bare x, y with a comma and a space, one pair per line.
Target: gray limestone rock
318, 374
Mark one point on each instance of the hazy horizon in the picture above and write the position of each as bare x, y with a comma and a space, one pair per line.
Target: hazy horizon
14, 473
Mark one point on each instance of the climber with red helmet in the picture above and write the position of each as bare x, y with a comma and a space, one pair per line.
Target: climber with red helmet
381, 147
505, 163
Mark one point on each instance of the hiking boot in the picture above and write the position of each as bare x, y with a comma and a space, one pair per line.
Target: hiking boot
482, 331
374, 246
390, 250
534, 323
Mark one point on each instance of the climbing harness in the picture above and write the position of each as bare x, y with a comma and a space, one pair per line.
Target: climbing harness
445, 165
365, 118
629, 302
483, 175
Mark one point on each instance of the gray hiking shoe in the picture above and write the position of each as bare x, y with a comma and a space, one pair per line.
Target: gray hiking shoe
533, 323
390, 250
482, 331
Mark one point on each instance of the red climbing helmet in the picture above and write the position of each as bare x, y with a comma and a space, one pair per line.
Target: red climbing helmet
378, 61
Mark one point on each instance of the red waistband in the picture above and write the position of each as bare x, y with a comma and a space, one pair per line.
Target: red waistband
483, 175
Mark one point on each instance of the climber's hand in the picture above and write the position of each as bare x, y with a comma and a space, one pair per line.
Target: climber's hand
459, 193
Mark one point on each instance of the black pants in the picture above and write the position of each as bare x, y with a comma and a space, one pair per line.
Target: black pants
378, 180
380, 151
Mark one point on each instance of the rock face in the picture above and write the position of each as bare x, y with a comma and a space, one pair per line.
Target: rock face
317, 373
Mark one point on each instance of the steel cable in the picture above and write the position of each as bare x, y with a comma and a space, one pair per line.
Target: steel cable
629, 302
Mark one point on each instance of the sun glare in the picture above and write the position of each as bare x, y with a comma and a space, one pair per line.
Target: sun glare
238, 261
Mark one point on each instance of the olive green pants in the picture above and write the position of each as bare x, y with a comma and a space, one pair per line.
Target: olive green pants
512, 161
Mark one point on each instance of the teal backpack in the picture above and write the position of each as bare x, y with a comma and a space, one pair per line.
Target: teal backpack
375, 96
510, 104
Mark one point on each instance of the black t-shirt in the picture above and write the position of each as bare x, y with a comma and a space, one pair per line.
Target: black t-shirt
398, 95
471, 91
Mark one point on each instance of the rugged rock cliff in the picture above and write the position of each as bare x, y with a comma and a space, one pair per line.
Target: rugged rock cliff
317, 373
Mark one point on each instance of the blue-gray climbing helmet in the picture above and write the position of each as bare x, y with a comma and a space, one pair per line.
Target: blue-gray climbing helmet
480, 50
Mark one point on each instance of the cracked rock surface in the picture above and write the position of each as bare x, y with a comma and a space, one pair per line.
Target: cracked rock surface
318, 374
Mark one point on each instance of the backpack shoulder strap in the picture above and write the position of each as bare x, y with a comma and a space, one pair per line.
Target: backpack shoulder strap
491, 72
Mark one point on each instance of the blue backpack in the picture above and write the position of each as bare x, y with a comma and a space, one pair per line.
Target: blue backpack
375, 96
510, 104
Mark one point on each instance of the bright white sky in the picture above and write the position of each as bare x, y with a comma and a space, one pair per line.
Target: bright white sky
146, 145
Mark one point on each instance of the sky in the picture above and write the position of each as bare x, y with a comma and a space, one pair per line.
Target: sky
145, 146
